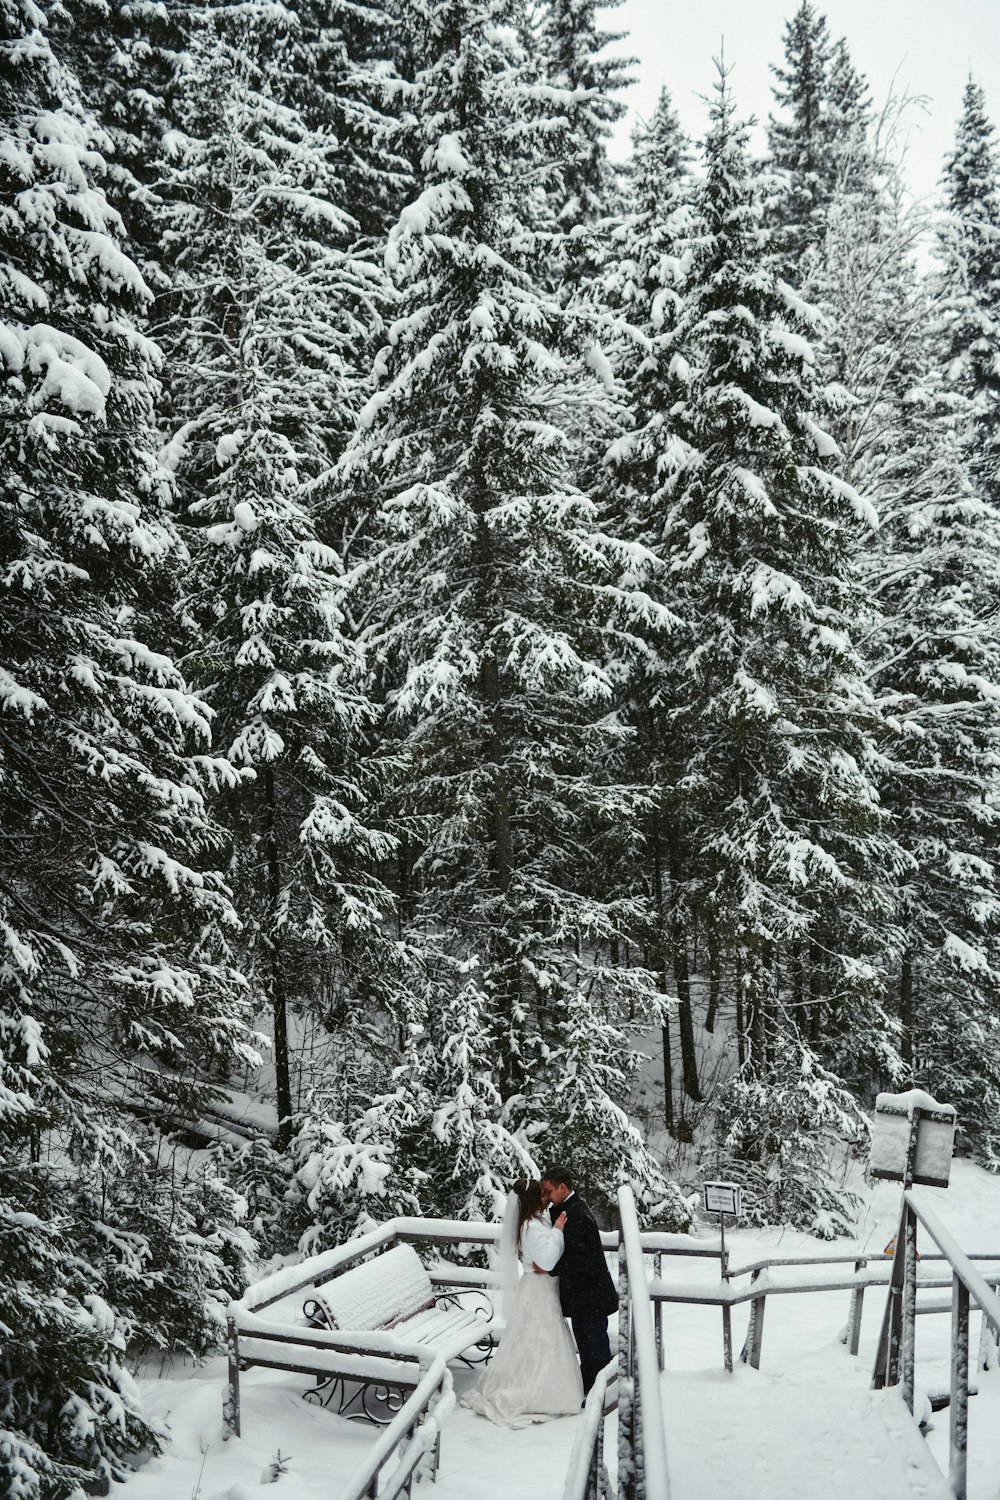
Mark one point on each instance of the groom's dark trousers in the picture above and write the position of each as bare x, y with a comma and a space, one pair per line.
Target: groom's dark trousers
594, 1347
586, 1291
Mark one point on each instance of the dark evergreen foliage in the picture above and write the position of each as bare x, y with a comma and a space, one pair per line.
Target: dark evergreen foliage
969, 287
500, 661
494, 616
817, 143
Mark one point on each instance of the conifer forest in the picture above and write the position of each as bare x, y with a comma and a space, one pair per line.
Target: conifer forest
500, 649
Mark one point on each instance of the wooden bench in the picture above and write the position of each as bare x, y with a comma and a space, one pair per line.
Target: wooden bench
367, 1332
393, 1295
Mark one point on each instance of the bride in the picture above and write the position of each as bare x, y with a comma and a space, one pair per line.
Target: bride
534, 1375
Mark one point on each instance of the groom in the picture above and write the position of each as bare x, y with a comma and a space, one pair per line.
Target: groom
586, 1290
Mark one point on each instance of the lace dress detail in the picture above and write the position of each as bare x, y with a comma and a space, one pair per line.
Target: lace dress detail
534, 1374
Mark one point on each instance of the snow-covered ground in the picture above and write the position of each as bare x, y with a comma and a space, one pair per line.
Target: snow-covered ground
804, 1424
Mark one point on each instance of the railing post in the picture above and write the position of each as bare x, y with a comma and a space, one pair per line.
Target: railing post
231, 1400
989, 1345
638, 1448
853, 1339
727, 1317
598, 1464
626, 1390
886, 1371
658, 1312
750, 1353
727, 1337
959, 1426
909, 1329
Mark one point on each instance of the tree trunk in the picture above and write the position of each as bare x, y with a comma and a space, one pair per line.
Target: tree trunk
404, 906
682, 978
282, 1076
755, 993
668, 1075
906, 1008
713, 979
741, 1020
502, 937
796, 979
816, 992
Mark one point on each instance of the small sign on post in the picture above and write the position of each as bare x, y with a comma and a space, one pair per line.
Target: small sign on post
912, 1139
723, 1198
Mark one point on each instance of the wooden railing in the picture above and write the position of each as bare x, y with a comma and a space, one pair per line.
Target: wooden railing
642, 1448
412, 1438
895, 1361
642, 1456
866, 1271
587, 1478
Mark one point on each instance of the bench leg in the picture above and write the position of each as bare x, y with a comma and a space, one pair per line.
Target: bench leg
231, 1400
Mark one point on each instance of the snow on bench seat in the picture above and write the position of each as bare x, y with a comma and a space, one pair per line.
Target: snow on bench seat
394, 1294
371, 1313
378, 1294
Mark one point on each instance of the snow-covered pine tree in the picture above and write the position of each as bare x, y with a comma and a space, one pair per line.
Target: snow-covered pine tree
776, 838
585, 189
860, 277
70, 1414
128, 57
458, 1139
495, 624
968, 285
849, 120
931, 581
935, 655
352, 88
640, 291
661, 155
269, 309
813, 146
572, 42
796, 144
114, 979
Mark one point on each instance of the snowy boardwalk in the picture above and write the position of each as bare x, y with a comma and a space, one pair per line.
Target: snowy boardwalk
322, 1451
813, 1430
805, 1426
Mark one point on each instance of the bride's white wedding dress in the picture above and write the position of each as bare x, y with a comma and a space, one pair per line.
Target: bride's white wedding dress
534, 1374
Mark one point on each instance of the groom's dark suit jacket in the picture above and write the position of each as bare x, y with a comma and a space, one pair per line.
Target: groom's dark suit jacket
586, 1289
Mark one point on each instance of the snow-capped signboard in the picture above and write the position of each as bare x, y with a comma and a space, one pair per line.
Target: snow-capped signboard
722, 1198
912, 1139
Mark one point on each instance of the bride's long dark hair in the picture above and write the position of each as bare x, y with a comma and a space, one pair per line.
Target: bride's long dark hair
529, 1199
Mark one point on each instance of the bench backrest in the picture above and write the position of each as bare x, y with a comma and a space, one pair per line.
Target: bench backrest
379, 1293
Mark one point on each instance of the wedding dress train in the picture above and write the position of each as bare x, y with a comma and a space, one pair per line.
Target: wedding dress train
534, 1374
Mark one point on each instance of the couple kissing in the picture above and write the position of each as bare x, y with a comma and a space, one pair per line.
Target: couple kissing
552, 1267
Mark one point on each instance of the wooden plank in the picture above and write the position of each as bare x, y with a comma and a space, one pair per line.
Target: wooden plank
231, 1400
958, 1436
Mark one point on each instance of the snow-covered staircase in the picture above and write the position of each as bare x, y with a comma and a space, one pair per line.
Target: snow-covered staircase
811, 1431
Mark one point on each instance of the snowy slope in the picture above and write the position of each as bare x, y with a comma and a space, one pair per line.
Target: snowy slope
804, 1424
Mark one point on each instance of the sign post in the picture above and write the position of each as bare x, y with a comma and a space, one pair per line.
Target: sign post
913, 1137
724, 1198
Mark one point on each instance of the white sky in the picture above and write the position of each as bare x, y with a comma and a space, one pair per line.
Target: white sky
918, 47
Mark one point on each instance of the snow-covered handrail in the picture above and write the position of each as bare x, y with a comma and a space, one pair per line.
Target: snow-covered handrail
973, 1281
647, 1463
419, 1420
402, 1229
312, 1272
895, 1360
584, 1476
